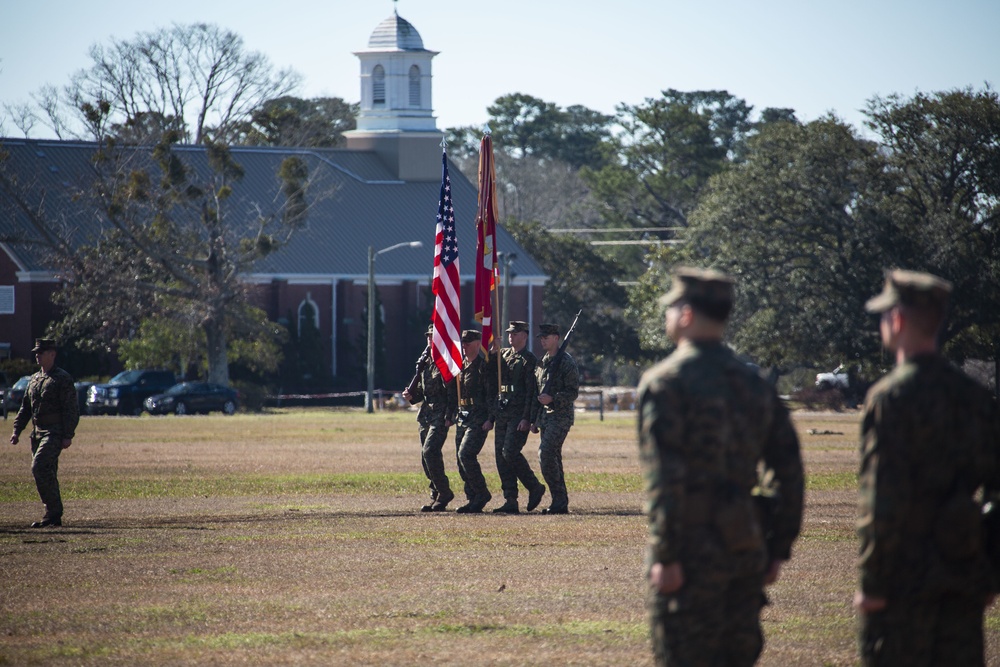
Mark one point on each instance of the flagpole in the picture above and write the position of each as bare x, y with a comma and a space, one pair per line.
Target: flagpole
496, 336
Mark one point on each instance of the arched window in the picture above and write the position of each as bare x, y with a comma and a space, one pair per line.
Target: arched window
414, 86
378, 86
308, 315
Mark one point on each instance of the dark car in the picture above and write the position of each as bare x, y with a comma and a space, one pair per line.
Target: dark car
12, 397
191, 397
125, 393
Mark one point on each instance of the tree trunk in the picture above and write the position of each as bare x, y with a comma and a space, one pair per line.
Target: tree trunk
218, 362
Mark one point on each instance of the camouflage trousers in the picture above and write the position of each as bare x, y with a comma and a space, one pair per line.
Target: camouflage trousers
432, 439
469, 441
940, 631
45, 450
713, 621
511, 463
553, 435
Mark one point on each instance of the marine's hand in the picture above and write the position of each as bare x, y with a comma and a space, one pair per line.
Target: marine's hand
544, 399
66, 443
773, 572
523, 425
14, 439
448, 423
867, 604
534, 428
407, 395
666, 578
488, 425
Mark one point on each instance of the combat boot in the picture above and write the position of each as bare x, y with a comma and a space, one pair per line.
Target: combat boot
48, 521
509, 507
440, 503
535, 497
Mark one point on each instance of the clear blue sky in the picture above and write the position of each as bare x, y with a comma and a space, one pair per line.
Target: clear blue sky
809, 55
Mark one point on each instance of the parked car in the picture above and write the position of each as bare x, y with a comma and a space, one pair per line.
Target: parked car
12, 397
125, 393
835, 379
191, 397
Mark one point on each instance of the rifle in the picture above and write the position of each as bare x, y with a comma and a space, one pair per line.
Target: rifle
556, 360
425, 358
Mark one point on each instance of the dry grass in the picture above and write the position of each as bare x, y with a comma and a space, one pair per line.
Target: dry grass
291, 538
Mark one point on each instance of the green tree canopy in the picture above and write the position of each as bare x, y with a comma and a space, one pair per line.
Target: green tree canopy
291, 121
812, 214
943, 154
794, 221
539, 149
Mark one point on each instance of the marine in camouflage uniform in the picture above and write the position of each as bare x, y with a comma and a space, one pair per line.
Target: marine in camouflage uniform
553, 413
50, 404
436, 415
929, 442
477, 390
705, 424
518, 395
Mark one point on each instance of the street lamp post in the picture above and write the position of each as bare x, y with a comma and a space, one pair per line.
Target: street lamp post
369, 403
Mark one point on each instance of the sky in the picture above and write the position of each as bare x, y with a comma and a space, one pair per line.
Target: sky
813, 56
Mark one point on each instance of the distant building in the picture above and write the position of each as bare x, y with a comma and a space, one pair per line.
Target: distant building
380, 190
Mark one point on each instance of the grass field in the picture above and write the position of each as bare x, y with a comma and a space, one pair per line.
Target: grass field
293, 538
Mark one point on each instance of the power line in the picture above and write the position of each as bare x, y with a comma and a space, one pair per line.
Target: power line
616, 230
640, 242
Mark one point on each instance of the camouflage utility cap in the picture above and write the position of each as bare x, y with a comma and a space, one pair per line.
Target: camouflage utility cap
43, 344
914, 289
470, 335
548, 330
516, 326
699, 286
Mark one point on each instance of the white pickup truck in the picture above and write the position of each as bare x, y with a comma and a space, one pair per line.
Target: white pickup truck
835, 379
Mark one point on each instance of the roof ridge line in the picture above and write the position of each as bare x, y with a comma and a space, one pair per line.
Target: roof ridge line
323, 159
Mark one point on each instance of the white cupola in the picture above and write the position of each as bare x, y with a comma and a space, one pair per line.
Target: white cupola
396, 79
396, 119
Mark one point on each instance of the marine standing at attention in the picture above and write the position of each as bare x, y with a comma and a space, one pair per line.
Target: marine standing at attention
51, 406
706, 423
558, 381
436, 415
930, 459
518, 396
476, 405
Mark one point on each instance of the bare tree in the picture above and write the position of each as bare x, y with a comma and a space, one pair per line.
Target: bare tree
198, 77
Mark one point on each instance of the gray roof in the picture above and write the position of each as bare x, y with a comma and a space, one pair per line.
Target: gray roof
354, 202
395, 34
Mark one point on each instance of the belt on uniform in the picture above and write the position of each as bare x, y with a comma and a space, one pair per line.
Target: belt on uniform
467, 402
507, 388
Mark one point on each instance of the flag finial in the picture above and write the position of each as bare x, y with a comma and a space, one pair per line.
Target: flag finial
486, 129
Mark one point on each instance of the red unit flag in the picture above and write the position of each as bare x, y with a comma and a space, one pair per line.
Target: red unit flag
486, 251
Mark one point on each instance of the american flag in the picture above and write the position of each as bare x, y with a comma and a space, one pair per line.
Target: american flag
446, 350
